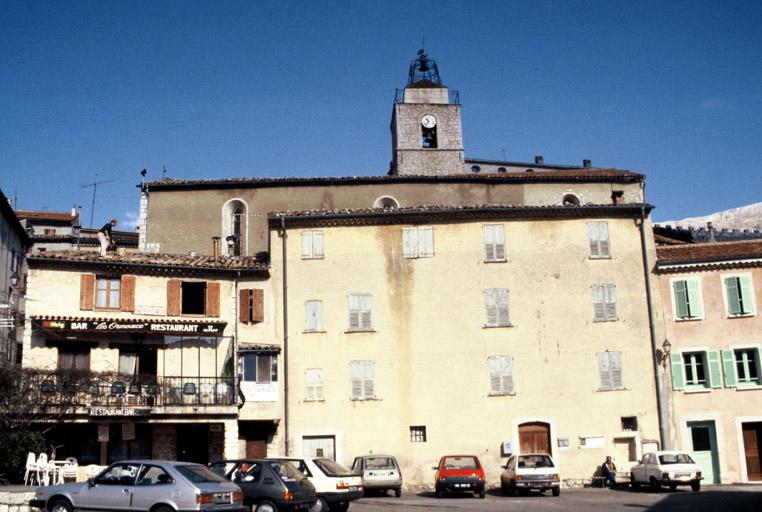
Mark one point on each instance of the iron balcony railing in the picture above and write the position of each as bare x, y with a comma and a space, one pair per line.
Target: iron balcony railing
91, 389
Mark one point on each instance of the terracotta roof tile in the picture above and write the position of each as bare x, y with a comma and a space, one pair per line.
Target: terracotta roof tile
706, 252
55, 216
152, 259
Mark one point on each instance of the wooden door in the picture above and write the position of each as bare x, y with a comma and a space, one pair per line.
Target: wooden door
752, 442
534, 438
256, 449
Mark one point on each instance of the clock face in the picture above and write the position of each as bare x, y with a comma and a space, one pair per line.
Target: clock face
429, 121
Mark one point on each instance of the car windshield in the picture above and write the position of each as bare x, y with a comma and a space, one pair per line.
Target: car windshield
286, 471
535, 461
461, 463
332, 468
379, 463
222, 468
198, 474
675, 458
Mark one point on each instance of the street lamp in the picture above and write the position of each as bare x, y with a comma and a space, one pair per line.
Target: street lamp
15, 279
666, 349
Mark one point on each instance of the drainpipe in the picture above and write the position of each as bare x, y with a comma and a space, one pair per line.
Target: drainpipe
285, 336
663, 431
236, 375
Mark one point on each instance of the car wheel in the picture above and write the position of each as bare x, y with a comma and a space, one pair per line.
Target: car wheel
319, 506
163, 509
438, 492
672, 487
61, 505
514, 489
398, 491
556, 491
265, 506
635, 484
482, 493
655, 485
696, 486
503, 488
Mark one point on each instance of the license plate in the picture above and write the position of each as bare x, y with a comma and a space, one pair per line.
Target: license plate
352, 488
221, 498
682, 475
462, 485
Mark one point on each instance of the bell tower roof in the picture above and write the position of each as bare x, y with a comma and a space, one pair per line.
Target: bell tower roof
423, 72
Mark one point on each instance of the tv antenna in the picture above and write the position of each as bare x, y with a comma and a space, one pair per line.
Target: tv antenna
95, 187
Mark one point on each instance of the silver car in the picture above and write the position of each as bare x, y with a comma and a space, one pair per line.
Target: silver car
156, 485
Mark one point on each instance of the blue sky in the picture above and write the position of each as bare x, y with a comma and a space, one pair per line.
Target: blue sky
97, 91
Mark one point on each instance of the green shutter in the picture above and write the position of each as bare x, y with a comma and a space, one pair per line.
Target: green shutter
729, 367
694, 301
715, 373
747, 299
681, 299
734, 299
676, 360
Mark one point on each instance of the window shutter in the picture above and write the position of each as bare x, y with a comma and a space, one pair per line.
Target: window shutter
610, 301
502, 307
729, 368
212, 299
306, 244
127, 293
681, 298
488, 233
592, 233
499, 242
747, 296
604, 370
599, 309
309, 316
409, 243
317, 244
87, 292
369, 391
426, 242
257, 305
508, 375
243, 306
733, 295
174, 292
694, 301
715, 374
603, 240
676, 362
490, 302
356, 379
615, 363
494, 376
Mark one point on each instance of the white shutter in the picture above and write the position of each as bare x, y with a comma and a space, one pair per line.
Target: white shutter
355, 370
314, 384
508, 375
592, 234
369, 380
610, 301
603, 240
353, 304
489, 243
499, 238
317, 244
494, 242
490, 302
604, 370
426, 241
409, 243
615, 364
502, 306
306, 244
313, 315
599, 309
494, 376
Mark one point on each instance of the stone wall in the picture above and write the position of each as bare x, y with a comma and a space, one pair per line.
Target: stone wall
15, 498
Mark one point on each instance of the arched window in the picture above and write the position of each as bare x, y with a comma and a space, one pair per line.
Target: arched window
234, 228
386, 202
570, 200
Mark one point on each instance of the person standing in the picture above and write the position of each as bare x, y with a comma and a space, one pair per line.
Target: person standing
104, 236
608, 468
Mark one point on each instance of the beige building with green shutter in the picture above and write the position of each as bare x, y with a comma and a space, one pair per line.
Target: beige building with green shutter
711, 295
488, 330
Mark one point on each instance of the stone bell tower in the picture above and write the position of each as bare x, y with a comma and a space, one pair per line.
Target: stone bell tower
426, 130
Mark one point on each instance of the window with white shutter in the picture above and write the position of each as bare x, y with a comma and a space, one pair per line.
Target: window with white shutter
312, 245
496, 304
360, 307
313, 316
604, 302
314, 380
610, 371
598, 233
500, 375
362, 380
494, 242
418, 242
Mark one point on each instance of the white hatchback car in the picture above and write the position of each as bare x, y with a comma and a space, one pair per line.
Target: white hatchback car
666, 468
335, 484
531, 471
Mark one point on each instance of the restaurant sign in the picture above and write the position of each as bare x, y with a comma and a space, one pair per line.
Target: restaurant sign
121, 326
119, 411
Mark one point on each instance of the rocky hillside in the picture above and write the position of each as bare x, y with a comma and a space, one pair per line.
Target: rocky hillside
744, 217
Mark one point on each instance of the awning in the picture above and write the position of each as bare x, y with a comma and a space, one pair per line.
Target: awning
128, 325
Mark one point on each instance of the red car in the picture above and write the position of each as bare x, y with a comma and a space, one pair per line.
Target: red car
459, 473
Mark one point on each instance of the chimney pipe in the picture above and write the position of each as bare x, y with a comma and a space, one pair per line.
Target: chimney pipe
710, 228
586, 163
539, 159
216, 248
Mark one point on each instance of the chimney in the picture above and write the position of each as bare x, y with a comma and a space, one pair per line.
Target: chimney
539, 160
74, 210
586, 163
710, 228
216, 248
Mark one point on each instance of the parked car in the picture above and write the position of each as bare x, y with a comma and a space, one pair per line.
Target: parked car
156, 485
666, 468
335, 484
379, 473
459, 473
268, 485
531, 471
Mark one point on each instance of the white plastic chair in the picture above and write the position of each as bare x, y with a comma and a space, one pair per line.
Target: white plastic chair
69, 471
31, 469
43, 469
